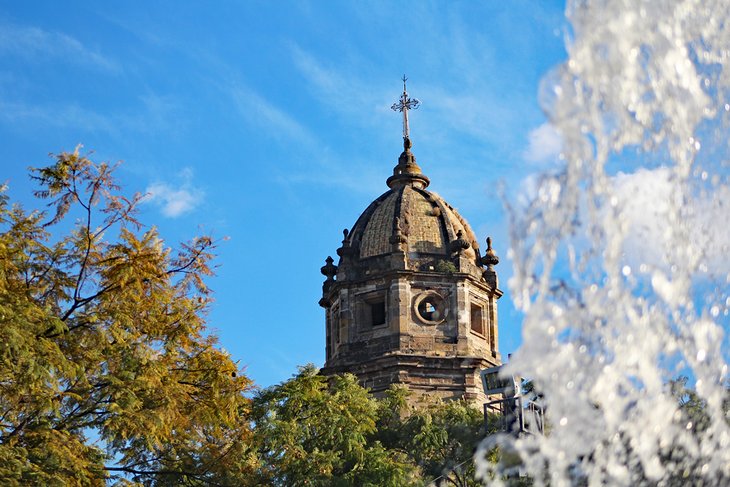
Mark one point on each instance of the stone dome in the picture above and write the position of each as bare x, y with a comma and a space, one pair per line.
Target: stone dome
410, 219
428, 223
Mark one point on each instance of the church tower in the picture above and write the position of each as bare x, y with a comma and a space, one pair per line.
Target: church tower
410, 301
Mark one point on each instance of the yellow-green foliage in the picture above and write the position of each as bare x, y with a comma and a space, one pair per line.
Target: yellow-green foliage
320, 431
107, 374
105, 371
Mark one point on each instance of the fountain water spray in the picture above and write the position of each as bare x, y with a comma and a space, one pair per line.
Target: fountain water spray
621, 256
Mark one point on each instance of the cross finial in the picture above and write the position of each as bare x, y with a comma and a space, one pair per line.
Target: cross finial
403, 105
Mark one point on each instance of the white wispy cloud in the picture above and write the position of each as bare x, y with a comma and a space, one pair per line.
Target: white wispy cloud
35, 43
335, 86
156, 113
59, 115
150, 114
544, 144
365, 102
175, 199
344, 91
471, 109
483, 117
326, 81
259, 112
312, 161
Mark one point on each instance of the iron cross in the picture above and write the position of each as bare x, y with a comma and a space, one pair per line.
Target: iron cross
403, 105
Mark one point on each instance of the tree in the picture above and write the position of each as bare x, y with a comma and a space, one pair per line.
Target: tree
314, 430
329, 431
440, 437
105, 368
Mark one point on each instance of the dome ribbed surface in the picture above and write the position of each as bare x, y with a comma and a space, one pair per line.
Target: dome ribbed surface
427, 221
379, 227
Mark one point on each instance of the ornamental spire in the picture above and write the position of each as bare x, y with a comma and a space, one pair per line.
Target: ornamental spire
407, 171
403, 105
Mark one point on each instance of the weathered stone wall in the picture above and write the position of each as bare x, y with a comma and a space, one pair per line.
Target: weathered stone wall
409, 302
442, 359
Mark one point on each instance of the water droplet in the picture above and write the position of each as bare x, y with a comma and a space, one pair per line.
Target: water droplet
701, 355
715, 311
626, 271
563, 421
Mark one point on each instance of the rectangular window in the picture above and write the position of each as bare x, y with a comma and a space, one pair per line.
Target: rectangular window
477, 321
492, 331
377, 313
335, 324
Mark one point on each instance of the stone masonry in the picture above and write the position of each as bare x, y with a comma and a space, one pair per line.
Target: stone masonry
410, 301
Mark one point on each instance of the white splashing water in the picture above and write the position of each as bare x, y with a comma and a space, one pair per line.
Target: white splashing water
622, 259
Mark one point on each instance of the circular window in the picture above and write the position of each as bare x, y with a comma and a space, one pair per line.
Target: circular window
430, 308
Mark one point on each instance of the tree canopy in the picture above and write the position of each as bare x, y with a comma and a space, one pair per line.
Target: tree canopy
108, 375
105, 369
322, 431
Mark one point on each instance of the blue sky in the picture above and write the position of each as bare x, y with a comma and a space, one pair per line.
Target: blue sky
269, 123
